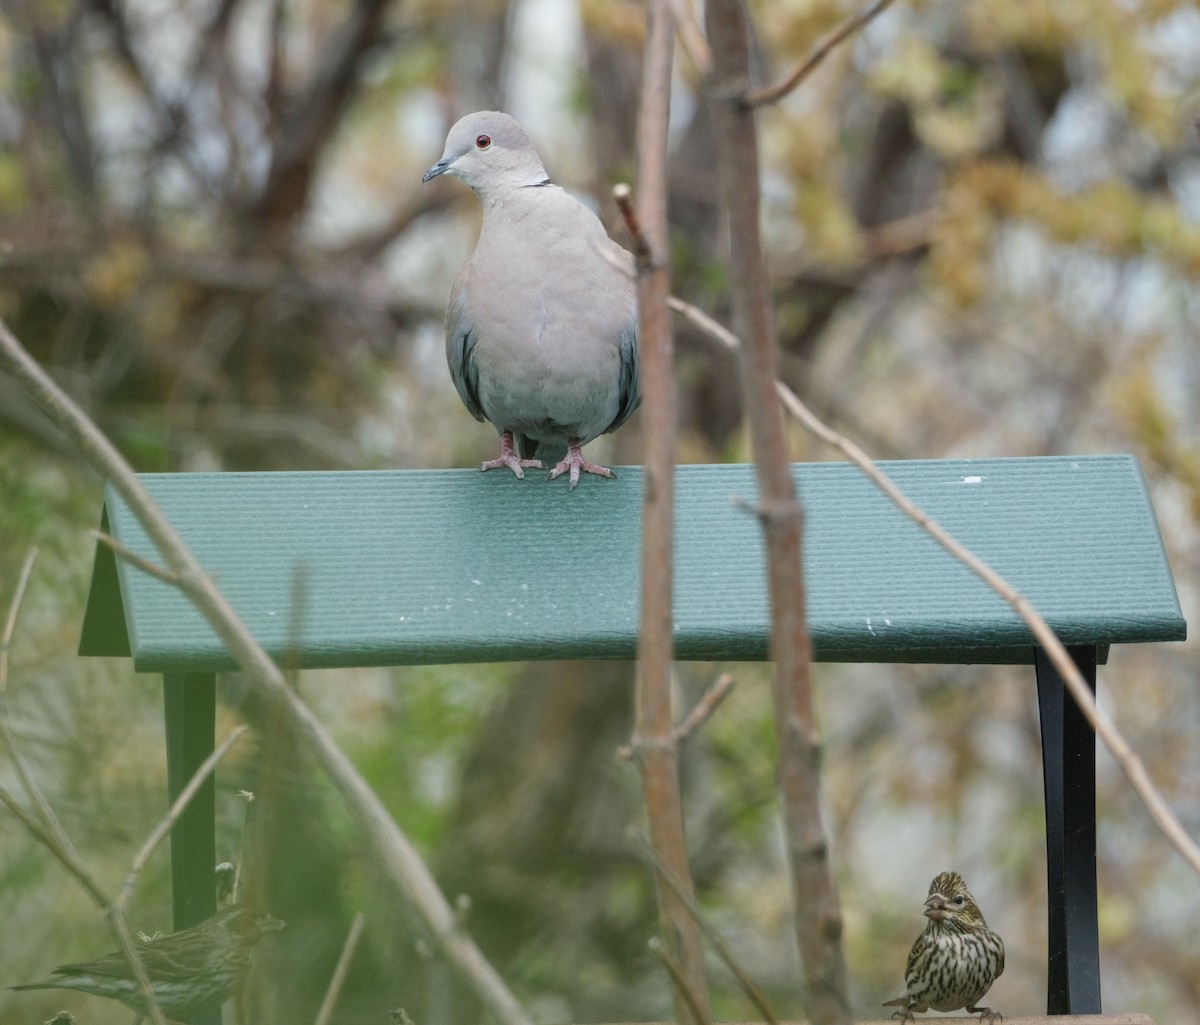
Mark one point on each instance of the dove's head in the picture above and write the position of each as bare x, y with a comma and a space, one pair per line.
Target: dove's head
489, 150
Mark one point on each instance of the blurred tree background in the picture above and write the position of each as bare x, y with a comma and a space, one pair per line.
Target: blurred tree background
985, 230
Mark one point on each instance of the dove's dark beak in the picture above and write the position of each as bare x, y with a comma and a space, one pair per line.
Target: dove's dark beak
441, 167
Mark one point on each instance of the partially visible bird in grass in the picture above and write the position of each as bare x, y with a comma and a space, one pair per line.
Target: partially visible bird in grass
956, 959
190, 970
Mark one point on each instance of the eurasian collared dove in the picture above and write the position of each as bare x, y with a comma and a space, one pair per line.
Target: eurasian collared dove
541, 328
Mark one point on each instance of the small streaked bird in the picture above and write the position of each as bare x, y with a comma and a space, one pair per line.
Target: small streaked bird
190, 970
955, 960
541, 327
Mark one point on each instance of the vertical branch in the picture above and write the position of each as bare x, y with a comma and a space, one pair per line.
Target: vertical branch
818, 916
653, 737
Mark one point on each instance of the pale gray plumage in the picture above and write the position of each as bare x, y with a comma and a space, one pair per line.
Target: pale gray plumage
541, 327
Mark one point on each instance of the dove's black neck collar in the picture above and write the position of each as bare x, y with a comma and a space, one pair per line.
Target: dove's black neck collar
537, 185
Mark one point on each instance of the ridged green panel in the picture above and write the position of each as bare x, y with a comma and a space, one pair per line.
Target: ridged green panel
409, 567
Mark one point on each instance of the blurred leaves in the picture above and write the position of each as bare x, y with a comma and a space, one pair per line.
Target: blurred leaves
985, 239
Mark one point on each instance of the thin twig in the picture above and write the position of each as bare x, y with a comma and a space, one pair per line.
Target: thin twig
160, 831
36, 797
679, 981
14, 609
696, 718
50, 833
769, 94
623, 196
132, 557
1133, 767
120, 927
396, 851
46, 827
691, 35
724, 951
67, 857
713, 328
704, 708
50, 841
339, 973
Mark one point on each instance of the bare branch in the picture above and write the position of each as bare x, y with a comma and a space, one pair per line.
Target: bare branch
724, 951
1133, 767
818, 918
679, 981
160, 831
691, 35
120, 927
339, 973
371, 244
652, 731
396, 852
55, 841
696, 718
47, 829
758, 97
132, 557
312, 117
1131, 764
623, 196
47, 838
705, 707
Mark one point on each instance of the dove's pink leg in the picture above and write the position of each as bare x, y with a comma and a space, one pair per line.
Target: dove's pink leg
576, 464
508, 457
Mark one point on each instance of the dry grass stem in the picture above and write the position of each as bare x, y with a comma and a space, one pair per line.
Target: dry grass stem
14, 610
396, 852
340, 972
36, 797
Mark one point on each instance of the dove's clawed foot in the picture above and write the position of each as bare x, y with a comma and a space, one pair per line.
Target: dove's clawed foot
575, 464
508, 457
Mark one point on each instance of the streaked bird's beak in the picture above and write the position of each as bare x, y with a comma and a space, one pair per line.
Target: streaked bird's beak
441, 167
935, 907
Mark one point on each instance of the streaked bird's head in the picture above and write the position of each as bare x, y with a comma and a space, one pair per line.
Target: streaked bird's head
249, 925
950, 901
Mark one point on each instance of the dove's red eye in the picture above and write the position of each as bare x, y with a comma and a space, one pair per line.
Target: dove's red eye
483, 141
